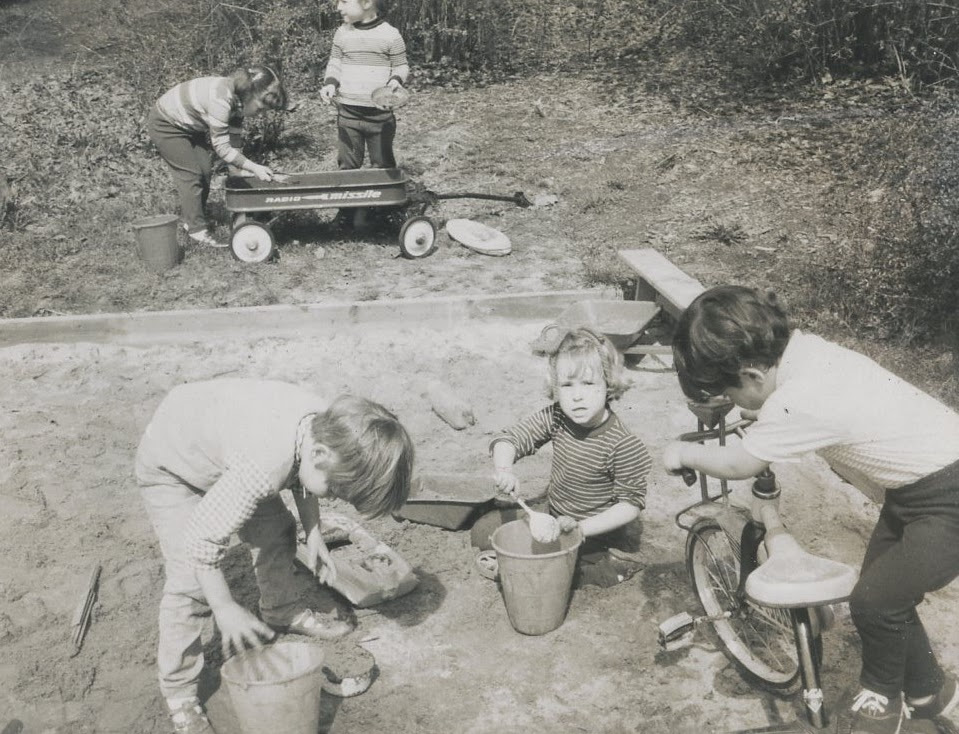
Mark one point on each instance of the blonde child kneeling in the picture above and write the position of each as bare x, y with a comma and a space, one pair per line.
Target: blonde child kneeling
598, 474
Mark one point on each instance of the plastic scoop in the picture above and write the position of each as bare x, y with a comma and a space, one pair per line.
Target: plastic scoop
544, 528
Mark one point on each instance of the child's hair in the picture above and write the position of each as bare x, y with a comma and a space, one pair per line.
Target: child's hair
260, 81
723, 330
586, 348
380, 6
374, 453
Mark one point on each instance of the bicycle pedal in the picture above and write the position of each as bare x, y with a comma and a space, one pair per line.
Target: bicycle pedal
677, 632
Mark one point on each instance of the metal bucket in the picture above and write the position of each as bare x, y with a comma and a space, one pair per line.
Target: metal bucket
157, 243
276, 687
536, 580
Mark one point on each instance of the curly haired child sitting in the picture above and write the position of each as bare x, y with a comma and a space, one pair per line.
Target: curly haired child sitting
598, 474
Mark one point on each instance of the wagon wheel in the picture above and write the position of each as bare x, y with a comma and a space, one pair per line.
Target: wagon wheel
252, 242
417, 238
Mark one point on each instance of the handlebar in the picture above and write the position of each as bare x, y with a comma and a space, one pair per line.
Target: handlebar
712, 433
689, 475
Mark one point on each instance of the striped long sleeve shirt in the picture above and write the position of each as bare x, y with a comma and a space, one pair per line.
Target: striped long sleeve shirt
592, 468
231, 440
365, 56
205, 104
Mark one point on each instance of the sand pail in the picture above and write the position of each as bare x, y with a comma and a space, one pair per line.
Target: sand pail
157, 242
276, 688
536, 578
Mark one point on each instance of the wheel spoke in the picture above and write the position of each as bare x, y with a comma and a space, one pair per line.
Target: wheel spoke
759, 638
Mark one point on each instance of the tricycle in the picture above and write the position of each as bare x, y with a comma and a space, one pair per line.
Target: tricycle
248, 199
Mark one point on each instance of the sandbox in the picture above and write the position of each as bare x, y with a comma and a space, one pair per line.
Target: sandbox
77, 393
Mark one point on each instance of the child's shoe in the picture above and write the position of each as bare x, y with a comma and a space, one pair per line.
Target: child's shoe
874, 713
940, 705
189, 718
313, 624
204, 238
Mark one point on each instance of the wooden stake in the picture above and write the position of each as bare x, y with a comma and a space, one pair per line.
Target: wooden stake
81, 618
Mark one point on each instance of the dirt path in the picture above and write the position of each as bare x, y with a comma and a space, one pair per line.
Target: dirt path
448, 658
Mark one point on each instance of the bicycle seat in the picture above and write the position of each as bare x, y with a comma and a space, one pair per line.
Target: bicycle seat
791, 577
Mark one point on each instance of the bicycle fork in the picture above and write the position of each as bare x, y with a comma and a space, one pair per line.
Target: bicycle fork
801, 618
812, 695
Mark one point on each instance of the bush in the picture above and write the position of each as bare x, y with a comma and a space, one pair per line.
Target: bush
493, 35
916, 41
901, 278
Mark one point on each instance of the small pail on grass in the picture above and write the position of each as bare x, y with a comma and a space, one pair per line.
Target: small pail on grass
157, 241
276, 687
536, 578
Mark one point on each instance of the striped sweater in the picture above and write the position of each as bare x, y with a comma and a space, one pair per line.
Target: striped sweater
592, 468
365, 56
205, 104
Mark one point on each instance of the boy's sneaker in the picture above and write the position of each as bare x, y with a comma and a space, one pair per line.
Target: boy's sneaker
874, 713
204, 238
940, 705
189, 718
314, 624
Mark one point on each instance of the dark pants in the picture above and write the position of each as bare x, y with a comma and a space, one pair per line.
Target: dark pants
190, 157
914, 549
357, 134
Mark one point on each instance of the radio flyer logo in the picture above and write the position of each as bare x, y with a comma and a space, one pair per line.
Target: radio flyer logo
369, 194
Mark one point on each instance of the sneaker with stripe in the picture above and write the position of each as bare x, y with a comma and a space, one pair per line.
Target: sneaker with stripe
943, 703
204, 238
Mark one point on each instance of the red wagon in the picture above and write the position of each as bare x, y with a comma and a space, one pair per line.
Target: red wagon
252, 239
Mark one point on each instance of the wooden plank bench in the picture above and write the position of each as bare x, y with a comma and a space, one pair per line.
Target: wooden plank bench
661, 281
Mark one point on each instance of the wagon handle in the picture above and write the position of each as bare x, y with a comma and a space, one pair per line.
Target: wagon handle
519, 198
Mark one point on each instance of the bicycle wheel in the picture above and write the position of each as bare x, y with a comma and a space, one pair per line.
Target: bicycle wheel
759, 640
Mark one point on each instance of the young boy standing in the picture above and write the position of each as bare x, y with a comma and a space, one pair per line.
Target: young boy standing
211, 463
876, 431
367, 53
